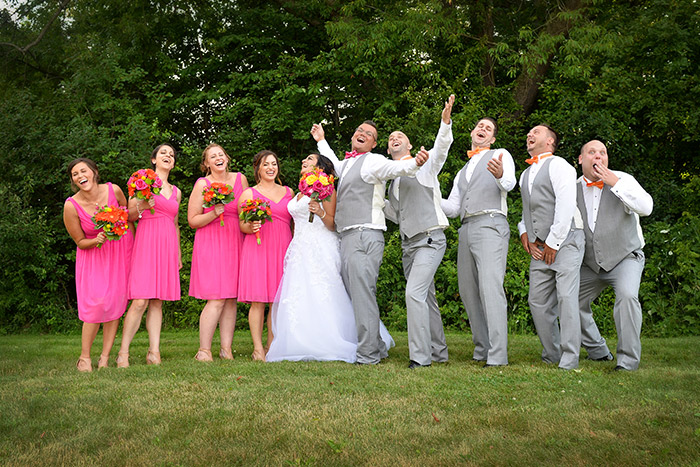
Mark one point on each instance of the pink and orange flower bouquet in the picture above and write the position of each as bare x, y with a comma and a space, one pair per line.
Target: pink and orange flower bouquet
218, 193
317, 185
113, 220
144, 184
256, 210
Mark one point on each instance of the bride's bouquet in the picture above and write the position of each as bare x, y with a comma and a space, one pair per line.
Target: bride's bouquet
144, 183
113, 220
317, 185
256, 210
218, 193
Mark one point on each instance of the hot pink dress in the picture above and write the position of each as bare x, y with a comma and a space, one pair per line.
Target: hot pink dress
155, 265
102, 274
216, 253
262, 265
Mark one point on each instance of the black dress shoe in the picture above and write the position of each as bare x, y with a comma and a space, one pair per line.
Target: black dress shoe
620, 368
609, 357
412, 365
491, 365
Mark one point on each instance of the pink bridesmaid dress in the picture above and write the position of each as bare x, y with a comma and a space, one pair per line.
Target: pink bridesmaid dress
216, 253
262, 265
102, 274
155, 262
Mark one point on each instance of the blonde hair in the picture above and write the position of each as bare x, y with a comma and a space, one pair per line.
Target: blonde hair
203, 167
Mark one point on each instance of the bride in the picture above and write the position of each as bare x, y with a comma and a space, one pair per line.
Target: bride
312, 317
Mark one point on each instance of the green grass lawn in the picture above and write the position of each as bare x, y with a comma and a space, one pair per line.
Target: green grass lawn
311, 413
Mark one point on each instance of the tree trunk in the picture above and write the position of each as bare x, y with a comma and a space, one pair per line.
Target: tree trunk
528, 82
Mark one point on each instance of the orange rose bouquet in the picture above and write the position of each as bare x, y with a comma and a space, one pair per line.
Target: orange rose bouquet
144, 184
218, 193
317, 185
255, 210
113, 220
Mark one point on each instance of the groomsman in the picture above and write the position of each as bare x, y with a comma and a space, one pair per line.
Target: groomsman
551, 232
359, 219
414, 204
478, 196
611, 203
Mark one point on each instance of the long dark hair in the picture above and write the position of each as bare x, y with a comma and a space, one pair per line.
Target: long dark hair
258, 160
324, 164
155, 153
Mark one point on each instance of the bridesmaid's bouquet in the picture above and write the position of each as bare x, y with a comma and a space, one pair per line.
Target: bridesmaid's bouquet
113, 220
317, 185
255, 210
144, 183
218, 193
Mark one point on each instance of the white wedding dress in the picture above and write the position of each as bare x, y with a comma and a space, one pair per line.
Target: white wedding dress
312, 317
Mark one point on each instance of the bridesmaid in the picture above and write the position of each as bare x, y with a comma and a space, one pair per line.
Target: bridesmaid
215, 255
262, 265
101, 274
155, 260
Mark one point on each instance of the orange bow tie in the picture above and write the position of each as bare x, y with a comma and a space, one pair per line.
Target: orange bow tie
598, 184
474, 152
538, 157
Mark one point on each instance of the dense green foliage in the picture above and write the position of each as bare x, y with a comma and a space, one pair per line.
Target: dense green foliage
110, 80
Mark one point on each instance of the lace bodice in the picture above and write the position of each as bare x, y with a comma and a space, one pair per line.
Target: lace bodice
311, 237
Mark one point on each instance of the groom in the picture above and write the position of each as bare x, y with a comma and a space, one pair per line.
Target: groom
360, 223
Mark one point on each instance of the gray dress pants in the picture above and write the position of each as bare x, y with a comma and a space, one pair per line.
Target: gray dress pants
627, 312
361, 253
481, 268
553, 296
422, 255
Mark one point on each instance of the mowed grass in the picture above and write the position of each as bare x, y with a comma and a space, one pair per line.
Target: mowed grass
312, 413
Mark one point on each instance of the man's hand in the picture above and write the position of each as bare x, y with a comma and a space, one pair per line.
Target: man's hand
422, 156
538, 250
525, 243
550, 254
605, 174
317, 132
495, 166
447, 111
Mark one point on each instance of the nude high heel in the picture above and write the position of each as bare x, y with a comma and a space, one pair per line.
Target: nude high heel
204, 355
84, 364
225, 353
258, 355
152, 357
103, 362
123, 360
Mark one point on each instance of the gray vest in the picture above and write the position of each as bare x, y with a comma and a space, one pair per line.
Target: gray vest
538, 206
354, 204
615, 234
415, 207
482, 191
